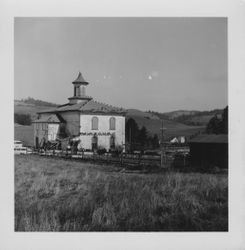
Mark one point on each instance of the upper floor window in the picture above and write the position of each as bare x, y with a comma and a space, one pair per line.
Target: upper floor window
112, 123
95, 123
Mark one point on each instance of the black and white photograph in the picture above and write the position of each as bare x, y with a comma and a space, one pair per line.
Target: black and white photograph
121, 124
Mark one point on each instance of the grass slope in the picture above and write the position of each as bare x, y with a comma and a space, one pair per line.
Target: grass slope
24, 134
27, 108
172, 128
59, 195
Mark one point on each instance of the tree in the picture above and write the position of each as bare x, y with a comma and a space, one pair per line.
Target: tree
224, 121
23, 119
143, 136
155, 141
218, 126
213, 126
132, 130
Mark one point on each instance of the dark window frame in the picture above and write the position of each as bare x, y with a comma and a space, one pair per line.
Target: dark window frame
112, 123
95, 123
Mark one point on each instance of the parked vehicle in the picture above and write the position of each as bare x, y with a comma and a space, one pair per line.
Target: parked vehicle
19, 148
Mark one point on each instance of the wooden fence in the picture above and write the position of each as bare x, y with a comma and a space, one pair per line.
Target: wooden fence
124, 159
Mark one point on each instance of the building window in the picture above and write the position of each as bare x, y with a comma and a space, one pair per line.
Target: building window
95, 123
94, 142
112, 123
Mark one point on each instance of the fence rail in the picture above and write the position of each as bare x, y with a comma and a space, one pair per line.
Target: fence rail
124, 159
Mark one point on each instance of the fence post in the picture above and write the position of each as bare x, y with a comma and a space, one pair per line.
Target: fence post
121, 160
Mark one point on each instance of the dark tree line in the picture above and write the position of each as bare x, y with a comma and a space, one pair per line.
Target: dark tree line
139, 138
218, 125
22, 119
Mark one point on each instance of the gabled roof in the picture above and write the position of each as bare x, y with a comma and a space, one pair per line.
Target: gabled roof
87, 107
80, 79
53, 118
210, 138
97, 107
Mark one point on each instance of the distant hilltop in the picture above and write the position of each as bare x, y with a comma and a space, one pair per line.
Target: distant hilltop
176, 123
35, 102
188, 117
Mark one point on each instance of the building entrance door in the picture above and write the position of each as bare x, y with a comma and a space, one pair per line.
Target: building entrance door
37, 142
94, 142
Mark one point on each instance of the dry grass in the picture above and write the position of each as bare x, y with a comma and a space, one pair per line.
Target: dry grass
59, 195
24, 134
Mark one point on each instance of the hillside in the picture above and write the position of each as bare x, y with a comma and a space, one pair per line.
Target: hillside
153, 123
189, 117
29, 106
151, 120
24, 134
175, 114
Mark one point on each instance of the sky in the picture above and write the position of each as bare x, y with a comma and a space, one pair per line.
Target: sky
160, 64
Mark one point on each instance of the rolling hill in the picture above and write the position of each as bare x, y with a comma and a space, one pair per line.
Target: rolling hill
153, 124
189, 117
151, 120
31, 108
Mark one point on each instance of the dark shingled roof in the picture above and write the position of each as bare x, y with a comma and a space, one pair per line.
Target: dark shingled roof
80, 79
210, 138
88, 107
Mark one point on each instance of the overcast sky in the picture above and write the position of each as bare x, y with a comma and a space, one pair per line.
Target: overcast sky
160, 64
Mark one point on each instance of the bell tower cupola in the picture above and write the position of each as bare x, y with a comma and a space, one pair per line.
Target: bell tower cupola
79, 86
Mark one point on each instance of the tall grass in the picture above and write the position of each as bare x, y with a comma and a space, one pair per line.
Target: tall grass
59, 195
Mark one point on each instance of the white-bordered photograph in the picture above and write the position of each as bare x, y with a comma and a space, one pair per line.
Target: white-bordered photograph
122, 124
137, 140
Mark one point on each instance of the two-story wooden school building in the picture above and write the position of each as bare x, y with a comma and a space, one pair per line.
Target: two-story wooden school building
95, 124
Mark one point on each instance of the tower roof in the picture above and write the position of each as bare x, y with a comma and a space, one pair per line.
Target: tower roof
80, 79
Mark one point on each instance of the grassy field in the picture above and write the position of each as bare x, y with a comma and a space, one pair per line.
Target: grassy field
24, 134
172, 128
61, 195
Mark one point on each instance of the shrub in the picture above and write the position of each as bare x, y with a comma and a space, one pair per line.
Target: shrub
117, 150
101, 150
22, 119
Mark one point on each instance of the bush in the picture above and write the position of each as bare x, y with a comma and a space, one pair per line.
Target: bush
101, 151
116, 151
22, 119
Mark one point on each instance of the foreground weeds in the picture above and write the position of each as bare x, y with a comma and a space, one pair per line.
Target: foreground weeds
59, 195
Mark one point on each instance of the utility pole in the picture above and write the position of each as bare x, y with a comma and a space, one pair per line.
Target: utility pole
162, 147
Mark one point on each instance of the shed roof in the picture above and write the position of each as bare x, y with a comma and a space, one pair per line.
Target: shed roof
210, 138
53, 118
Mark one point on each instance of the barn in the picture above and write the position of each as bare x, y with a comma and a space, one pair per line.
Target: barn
209, 150
94, 124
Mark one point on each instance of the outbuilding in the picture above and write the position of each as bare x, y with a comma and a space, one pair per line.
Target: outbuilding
209, 150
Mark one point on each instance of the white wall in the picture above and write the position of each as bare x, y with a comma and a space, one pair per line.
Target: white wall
52, 131
45, 130
103, 140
